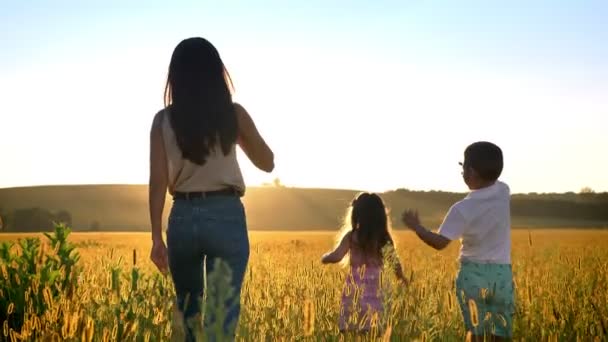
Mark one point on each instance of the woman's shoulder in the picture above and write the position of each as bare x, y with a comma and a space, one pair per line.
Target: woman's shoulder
238, 107
243, 119
241, 112
158, 117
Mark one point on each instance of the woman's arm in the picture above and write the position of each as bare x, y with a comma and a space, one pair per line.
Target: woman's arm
252, 143
339, 252
157, 190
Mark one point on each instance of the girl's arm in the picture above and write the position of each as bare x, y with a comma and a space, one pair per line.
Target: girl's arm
399, 272
393, 259
339, 252
251, 142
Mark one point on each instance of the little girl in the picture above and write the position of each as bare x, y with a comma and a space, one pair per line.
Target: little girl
366, 238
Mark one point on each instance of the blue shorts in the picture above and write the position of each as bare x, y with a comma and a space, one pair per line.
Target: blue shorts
485, 295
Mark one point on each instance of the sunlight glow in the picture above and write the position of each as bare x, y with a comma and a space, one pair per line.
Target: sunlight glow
336, 113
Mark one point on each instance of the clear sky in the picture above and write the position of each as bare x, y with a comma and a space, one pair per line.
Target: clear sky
370, 95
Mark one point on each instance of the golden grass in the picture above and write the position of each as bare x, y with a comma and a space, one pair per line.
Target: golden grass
560, 276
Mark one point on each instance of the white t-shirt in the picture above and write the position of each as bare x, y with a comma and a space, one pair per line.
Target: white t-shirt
482, 222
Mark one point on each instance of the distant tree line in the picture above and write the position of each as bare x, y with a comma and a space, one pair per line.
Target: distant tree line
279, 207
587, 204
33, 220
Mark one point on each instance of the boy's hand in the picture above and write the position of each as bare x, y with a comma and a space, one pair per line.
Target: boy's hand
410, 218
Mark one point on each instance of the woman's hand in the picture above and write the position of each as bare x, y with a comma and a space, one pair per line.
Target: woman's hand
410, 218
159, 257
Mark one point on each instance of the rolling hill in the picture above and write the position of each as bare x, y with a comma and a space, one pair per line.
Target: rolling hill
125, 207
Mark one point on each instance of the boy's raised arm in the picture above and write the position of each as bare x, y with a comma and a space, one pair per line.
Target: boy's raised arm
412, 221
339, 252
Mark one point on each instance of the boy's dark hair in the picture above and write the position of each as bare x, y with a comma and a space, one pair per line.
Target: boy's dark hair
485, 158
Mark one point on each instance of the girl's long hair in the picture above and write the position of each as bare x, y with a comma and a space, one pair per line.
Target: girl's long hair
198, 96
368, 219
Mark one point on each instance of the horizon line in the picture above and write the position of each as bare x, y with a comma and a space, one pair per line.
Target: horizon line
286, 186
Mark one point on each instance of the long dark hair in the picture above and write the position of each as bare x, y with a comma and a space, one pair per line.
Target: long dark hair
198, 95
368, 220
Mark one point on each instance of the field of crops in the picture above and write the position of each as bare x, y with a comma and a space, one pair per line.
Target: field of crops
113, 293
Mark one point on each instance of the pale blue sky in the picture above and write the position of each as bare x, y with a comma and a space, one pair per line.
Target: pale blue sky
350, 94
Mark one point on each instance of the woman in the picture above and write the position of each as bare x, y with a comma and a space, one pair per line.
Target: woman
193, 156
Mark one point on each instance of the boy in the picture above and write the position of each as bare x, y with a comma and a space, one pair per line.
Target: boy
484, 285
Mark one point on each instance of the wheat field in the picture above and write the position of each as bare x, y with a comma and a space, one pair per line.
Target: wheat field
560, 277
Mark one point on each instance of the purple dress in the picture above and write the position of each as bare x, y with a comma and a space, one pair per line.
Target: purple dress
361, 306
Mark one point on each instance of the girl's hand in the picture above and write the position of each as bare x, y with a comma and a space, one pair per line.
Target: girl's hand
410, 218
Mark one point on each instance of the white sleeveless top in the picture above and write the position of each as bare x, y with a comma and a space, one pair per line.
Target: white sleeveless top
219, 171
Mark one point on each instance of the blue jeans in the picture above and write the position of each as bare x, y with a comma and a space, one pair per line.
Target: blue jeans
200, 232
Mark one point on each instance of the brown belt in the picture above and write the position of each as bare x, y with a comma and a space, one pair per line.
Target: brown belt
205, 194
